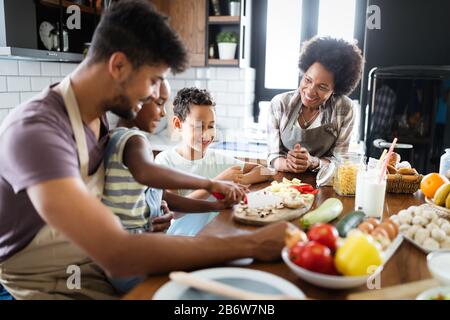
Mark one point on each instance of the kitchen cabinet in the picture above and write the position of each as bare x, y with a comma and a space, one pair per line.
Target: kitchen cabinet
188, 18
196, 23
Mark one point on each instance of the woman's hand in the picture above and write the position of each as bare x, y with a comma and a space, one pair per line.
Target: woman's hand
298, 160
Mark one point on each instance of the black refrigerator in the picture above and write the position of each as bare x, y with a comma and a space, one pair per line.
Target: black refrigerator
411, 103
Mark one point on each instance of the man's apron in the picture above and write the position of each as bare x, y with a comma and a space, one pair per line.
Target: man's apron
40, 270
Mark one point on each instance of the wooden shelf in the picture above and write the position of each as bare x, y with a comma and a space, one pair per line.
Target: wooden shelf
224, 19
66, 4
220, 62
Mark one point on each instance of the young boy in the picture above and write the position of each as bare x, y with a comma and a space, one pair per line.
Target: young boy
133, 183
195, 118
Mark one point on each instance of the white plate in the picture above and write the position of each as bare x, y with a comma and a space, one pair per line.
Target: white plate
428, 294
337, 282
248, 279
439, 272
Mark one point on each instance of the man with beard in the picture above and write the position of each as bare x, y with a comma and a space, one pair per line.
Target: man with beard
57, 240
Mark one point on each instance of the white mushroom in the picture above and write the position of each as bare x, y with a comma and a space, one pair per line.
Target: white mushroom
438, 235
446, 229
419, 220
406, 219
431, 244
404, 228
415, 210
441, 221
411, 232
428, 214
432, 226
421, 235
404, 213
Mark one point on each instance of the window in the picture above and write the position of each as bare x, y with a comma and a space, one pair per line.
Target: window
337, 18
283, 43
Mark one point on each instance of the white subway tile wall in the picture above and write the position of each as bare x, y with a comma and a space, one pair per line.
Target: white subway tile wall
20, 80
233, 89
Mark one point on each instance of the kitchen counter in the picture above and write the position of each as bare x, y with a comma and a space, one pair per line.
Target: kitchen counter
408, 264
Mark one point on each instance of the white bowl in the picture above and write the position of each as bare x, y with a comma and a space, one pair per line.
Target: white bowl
324, 280
429, 294
438, 263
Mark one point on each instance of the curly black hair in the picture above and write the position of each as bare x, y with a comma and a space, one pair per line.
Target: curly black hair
189, 96
135, 28
343, 59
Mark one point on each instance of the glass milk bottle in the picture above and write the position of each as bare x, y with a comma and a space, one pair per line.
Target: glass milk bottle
444, 168
374, 193
359, 196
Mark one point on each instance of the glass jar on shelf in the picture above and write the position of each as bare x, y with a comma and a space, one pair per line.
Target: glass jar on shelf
347, 166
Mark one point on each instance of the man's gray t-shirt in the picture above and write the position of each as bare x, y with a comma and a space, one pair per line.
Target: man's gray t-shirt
36, 145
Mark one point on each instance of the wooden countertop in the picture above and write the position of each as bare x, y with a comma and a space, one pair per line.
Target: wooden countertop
406, 265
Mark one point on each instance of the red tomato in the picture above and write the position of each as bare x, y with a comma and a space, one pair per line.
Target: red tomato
295, 252
316, 257
325, 234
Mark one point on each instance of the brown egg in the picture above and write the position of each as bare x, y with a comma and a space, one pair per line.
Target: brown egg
393, 224
366, 227
380, 232
390, 230
373, 222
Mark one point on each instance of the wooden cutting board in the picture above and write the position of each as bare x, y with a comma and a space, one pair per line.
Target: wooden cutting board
284, 214
404, 291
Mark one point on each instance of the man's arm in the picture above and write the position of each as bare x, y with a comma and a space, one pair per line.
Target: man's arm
66, 205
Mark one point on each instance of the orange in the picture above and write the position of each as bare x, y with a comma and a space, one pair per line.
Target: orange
430, 183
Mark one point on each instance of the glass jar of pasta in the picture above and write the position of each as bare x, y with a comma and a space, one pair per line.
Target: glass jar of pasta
347, 166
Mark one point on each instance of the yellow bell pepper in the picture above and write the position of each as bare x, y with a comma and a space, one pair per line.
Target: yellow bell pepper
357, 254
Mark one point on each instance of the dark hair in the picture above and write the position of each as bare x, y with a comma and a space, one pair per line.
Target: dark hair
189, 96
135, 28
343, 59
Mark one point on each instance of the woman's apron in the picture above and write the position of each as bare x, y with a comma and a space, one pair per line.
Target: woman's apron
40, 270
318, 141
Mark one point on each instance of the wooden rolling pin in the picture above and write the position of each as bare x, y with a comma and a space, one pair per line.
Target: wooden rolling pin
222, 289
404, 291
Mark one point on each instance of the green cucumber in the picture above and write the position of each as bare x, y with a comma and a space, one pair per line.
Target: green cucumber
350, 221
329, 210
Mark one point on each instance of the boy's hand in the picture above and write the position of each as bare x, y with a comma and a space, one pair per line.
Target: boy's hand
233, 173
162, 223
232, 192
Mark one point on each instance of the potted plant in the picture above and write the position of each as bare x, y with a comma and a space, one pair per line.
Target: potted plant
235, 7
227, 43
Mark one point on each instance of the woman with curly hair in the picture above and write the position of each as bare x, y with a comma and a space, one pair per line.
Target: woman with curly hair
307, 125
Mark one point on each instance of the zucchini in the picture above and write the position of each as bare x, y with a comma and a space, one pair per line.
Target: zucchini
329, 210
350, 221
